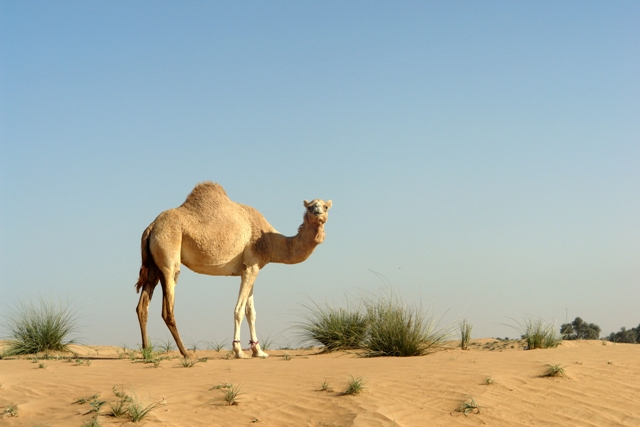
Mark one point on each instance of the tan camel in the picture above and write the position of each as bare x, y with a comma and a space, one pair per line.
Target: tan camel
210, 234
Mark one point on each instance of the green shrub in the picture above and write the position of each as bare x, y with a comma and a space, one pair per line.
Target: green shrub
354, 386
396, 329
626, 335
539, 334
38, 327
335, 329
580, 330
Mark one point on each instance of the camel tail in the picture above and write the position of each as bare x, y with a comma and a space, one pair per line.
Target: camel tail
149, 271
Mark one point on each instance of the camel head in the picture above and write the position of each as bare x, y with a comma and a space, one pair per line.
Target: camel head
317, 211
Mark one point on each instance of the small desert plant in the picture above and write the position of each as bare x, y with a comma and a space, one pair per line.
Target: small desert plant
325, 386
166, 346
465, 333
194, 346
188, 362
395, 329
81, 362
538, 333
96, 405
138, 411
489, 381
286, 345
354, 386
34, 328
216, 345
84, 400
42, 365
555, 371
231, 393
266, 343
221, 386
335, 329
93, 422
10, 411
148, 353
120, 407
469, 406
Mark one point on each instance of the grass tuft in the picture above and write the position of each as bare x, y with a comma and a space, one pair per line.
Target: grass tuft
469, 407
555, 371
538, 333
465, 333
148, 353
84, 400
39, 327
354, 386
384, 326
138, 411
335, 329
396, 329
93, 422
325, 387
231, 393
216, 345
166, 346
188, 362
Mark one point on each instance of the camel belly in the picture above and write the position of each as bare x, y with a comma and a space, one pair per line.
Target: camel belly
205, 262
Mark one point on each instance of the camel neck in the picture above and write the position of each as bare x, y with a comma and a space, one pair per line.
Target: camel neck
295, 249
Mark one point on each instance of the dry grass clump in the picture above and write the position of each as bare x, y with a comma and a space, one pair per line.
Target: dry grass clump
397, 329
138, 411
465, 333
93, 422
354, 386
335, 329
35, 328
555, 371
539, 333
382, 325
230, 392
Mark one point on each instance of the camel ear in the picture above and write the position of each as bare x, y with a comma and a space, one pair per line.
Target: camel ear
306, 203
328, 204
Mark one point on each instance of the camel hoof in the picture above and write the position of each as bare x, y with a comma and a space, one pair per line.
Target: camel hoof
261, 354
241, 355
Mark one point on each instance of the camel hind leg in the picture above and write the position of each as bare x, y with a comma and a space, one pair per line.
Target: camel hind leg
149, 276
168, 301
143, 310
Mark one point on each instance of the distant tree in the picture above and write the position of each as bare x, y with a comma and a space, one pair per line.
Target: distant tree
626, 335
580, 330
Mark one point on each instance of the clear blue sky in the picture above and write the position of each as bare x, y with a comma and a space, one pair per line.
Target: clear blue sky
484, 157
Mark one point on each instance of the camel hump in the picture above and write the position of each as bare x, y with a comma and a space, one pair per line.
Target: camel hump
205, 196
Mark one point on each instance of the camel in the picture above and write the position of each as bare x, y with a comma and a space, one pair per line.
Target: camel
210, 234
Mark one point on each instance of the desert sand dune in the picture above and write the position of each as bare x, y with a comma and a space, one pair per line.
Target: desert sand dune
601, 388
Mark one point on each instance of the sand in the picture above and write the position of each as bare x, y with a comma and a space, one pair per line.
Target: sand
602, 388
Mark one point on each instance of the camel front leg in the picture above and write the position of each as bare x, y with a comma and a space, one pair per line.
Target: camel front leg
246, 289
251, 320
